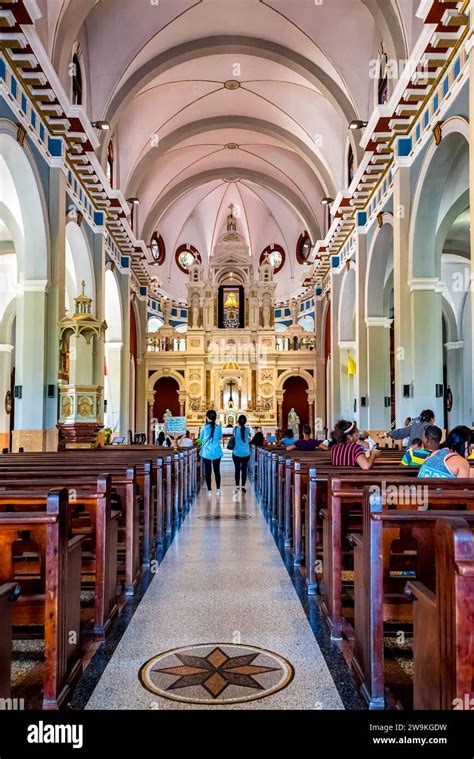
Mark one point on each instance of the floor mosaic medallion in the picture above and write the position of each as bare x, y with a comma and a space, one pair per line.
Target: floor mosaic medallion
216, 673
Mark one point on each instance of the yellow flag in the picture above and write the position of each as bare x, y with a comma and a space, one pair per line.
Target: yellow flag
351, 365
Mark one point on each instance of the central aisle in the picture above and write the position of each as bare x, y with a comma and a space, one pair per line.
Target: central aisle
223, 595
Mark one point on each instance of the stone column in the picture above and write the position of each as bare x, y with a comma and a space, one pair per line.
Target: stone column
150, 419
454, 351
360, 379
279, 400
346, 381
141, 377
182, 402
30, 359
469, 402
113, 360
378, 370
404, 371
311, 400
427, 345
5, 381
98, 260
56, 297
334, 411
320, 411
124, 410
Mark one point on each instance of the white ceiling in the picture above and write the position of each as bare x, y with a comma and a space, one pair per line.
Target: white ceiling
157, 73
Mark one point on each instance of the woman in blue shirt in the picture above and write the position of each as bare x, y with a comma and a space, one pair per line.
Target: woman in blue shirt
241, 453
211, 451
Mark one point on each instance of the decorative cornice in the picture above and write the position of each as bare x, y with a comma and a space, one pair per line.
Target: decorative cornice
431, 284
378, 321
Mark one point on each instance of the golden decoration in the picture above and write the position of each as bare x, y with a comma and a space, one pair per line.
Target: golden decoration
438, 132
85, 407
380, 219
21, 135
8, 402
195, 390
67, 406
231, 301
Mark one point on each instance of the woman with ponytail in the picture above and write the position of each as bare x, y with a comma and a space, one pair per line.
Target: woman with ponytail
241, 453
347, 450
211, 451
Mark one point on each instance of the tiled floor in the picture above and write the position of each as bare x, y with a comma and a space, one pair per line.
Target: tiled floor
222, 582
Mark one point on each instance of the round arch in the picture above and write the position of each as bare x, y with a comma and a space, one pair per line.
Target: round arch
380, 255
347, 306
208, 46
159, 374
434, 197
291, 373
78, 264
231, 172
32, 250
217, 123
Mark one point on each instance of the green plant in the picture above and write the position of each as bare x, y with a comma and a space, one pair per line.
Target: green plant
107, 435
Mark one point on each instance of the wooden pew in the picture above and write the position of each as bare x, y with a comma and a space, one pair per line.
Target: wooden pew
50, 594
443, 622
90, 515
343, 512
379, 590
8, 592
126, 488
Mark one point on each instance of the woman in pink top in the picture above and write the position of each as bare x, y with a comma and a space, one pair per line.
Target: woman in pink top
348, 451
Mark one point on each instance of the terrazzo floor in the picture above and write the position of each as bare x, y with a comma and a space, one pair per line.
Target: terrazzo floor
222, 589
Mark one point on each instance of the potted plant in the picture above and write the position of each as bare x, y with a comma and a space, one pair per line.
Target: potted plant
107, 435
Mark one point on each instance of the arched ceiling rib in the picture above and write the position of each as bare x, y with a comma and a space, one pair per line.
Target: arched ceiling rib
185, 144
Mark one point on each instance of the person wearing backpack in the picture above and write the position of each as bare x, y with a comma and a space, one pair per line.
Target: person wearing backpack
241, 453
211, 451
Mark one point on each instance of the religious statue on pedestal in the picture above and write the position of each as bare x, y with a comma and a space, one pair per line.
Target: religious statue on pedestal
231, 221
195, 310
267, 312
167, 415
294, 422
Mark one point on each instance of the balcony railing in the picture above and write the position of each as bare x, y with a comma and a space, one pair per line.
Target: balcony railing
157, 344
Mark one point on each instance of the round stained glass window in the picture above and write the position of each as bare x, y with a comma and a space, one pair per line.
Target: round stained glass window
186, 256
275, 256
186, 259
276, 259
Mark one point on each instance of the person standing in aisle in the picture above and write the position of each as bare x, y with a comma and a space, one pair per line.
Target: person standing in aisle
211, 450
241, 454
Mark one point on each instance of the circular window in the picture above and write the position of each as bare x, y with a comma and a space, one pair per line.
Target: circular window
275, 256
186, 256
158, 249
303, 248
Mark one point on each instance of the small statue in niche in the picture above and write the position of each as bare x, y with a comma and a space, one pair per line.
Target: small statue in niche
266, 312
195, 310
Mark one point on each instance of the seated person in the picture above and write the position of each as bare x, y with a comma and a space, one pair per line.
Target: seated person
367, 441
258, 440
328, 443
348, 451
307, 444
271, 438
451, 460
288, 438
164, 441
419, 450
185, 441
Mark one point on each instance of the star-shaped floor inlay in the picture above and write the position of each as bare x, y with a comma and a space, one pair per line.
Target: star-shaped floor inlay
216, 671
219, 673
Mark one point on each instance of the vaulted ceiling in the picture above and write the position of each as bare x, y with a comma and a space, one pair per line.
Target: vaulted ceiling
213, 102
